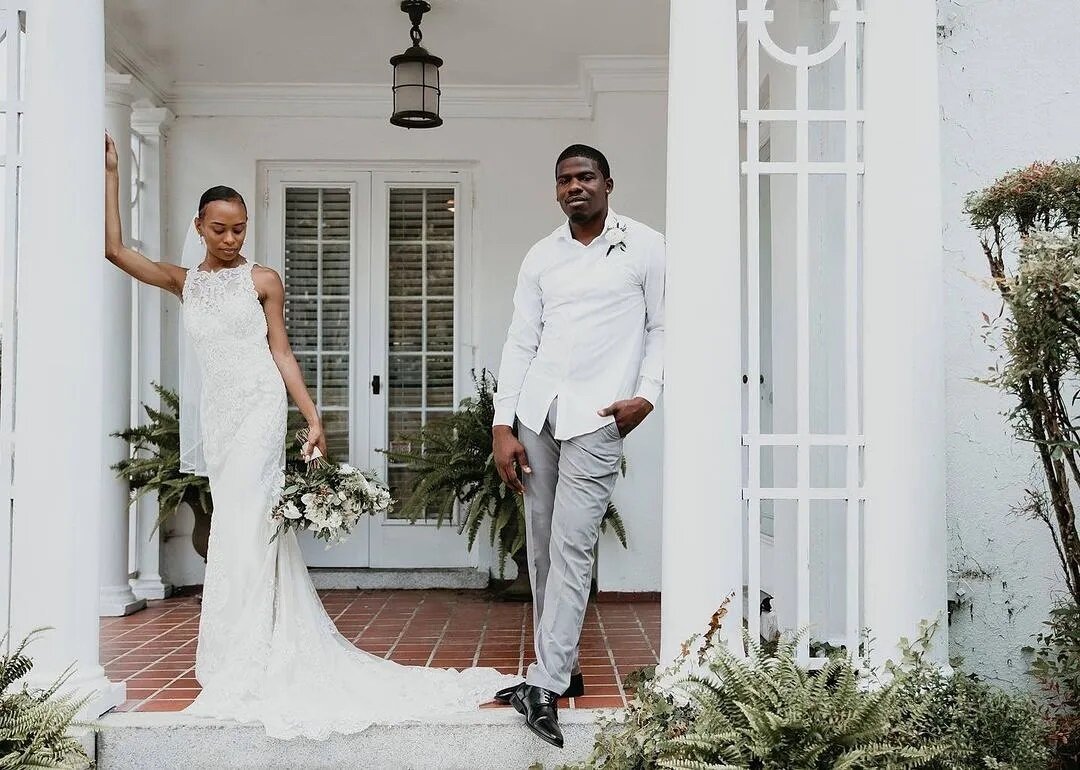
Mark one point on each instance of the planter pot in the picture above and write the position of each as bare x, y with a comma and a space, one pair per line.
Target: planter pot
200, 534
520, 590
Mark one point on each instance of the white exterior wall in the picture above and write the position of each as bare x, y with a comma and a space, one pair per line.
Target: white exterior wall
1009, 96
515, 206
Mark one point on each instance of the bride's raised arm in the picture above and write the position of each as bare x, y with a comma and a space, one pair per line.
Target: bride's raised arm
161, 274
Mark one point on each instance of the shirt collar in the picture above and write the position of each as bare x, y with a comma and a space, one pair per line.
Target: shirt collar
612, 218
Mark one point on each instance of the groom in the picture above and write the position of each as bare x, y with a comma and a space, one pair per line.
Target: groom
582, 367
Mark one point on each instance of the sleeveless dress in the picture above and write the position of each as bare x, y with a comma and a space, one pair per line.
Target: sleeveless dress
267, 650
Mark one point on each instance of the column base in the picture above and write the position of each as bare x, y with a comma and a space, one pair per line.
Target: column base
109, 696
118, 601
105, 695
151, 588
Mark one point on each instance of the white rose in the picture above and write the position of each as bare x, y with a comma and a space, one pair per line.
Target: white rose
290, 511
615, 236
348, 468
316, 515
308, 499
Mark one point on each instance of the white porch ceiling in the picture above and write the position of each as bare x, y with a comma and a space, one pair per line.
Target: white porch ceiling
483, 42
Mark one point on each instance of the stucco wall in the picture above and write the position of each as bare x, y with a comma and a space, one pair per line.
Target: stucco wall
1009, 94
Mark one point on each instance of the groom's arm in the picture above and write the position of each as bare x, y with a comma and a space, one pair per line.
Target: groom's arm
522, 342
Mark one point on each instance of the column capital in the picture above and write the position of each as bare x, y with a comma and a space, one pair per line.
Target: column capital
118, 90
152, 121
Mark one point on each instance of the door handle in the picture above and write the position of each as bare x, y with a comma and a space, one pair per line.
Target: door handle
376, 384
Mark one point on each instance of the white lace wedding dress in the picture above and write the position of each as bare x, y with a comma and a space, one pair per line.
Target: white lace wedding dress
268, 652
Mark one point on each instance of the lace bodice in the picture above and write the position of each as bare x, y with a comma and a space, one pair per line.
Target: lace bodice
227, 327
222, 315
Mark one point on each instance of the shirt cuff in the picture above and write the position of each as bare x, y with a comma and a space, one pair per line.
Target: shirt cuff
649, 390
504, 415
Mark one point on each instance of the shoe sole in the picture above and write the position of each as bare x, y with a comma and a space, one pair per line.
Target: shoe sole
545, 738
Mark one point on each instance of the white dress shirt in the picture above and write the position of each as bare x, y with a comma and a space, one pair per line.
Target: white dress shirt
588, 328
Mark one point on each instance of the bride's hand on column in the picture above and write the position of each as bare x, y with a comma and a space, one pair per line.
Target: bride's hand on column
112, 161
316, 439
161, 274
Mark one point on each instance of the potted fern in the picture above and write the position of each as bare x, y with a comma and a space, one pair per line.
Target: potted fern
154, 466
451, 463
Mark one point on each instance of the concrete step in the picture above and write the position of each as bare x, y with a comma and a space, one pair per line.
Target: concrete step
377, 578
491, 738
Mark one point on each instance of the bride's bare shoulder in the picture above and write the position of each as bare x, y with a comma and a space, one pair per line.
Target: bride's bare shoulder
267, 281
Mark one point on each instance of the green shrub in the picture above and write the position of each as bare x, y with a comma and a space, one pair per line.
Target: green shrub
34, 722
1057, 669
981, 725
768, 712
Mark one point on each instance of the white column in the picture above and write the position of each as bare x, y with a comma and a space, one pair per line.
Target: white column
702, 529
904, 535
117, 597
152, 125
60, 464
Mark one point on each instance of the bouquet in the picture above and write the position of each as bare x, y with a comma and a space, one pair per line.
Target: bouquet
328, 499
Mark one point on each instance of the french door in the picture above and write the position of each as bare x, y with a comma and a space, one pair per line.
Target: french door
375, 274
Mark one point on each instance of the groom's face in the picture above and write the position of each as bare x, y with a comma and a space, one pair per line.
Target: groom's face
581, 189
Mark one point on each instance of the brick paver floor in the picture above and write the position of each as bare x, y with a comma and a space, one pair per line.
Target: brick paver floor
153, 651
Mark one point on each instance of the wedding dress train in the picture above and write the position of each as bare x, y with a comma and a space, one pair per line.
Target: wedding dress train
267, 651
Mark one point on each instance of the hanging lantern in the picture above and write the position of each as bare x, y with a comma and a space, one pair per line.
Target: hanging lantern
416, 77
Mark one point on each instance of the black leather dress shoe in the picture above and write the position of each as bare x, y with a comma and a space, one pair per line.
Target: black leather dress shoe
575, 690
541, 710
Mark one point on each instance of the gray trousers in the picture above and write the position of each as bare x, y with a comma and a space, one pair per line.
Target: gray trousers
566, 496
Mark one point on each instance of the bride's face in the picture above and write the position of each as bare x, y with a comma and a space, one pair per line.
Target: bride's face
223, 227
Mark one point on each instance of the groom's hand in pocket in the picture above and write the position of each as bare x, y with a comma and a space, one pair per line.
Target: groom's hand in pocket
628, 413
509, 455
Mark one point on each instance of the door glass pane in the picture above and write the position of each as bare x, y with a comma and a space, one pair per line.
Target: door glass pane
318, 313
421, 259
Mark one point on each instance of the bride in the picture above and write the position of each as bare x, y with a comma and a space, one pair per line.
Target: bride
267, 651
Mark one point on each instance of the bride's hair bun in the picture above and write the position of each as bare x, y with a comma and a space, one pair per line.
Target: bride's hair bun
220, 193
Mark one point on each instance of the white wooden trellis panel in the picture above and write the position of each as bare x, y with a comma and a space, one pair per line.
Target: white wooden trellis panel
848, 16
13, 21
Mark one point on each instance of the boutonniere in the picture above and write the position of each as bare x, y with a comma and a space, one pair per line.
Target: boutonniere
616, 237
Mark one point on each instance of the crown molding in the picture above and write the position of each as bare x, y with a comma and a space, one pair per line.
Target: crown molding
625, 74
362, 100
124, 55
597, 74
